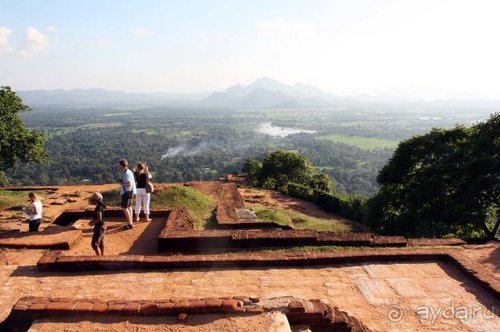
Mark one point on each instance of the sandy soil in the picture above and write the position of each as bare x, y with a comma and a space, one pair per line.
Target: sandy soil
269, 322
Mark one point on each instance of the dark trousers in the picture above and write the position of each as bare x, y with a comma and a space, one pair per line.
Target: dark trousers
98, 237
34, 224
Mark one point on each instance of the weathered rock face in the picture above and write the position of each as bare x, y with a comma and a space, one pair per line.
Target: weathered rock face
179, 219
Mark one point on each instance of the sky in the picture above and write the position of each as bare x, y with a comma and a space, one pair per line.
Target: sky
416, 48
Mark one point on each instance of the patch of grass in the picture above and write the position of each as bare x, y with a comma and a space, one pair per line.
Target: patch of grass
98, 125
11, 198
299, 249
199, 205
267, 214
301, 220
111, 197
365, 143
14, 199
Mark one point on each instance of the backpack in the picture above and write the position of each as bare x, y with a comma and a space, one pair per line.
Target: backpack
150, 188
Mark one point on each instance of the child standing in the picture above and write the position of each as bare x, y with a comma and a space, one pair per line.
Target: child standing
98, 223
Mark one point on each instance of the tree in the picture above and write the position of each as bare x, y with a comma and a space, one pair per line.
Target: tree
17, 143
480, 185
281, 169
252, 167
284, 167
446, 182
321, 181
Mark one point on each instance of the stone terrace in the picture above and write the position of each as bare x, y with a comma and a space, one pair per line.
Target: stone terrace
306, 287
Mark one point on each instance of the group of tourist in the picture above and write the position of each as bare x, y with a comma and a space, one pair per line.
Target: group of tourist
133, 183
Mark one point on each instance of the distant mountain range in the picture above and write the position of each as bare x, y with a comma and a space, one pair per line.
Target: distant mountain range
265, 92
96, 97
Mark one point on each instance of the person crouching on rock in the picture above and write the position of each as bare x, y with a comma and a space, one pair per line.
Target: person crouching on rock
35, 212
98, 223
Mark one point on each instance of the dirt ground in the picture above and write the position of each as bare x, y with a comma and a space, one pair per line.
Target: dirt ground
142, 239
269, 322
66, 197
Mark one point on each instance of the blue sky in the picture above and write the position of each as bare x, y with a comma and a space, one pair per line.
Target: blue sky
418, 48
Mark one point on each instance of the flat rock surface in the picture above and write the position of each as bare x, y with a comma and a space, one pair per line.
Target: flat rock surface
49, 237
375, 293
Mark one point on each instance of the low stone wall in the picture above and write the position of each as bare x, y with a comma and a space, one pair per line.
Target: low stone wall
57, 238
35, 188
201, 240
314, 314
423, 242
179, 219
179, 235
68, 217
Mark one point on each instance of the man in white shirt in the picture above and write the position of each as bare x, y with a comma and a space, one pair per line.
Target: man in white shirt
127, 191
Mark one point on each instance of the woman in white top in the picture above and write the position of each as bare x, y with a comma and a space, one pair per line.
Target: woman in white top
35, 212
142, 177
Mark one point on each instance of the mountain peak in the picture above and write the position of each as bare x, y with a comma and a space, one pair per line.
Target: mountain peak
270, 84
266, 79
263, 92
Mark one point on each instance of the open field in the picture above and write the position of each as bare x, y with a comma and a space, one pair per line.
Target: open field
365, 143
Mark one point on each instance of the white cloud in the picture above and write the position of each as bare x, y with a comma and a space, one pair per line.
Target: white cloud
141, 32
4, 40
34, 41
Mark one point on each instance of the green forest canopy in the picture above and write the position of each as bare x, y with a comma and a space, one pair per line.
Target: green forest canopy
17, 143
446, 182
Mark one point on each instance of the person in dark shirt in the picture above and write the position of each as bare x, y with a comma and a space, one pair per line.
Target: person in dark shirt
142, 177
98, 223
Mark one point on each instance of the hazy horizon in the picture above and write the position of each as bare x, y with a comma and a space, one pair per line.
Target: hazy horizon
417, 49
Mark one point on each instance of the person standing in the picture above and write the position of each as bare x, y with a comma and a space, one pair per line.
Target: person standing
142, 176
127, 191
35, 212
98, 223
